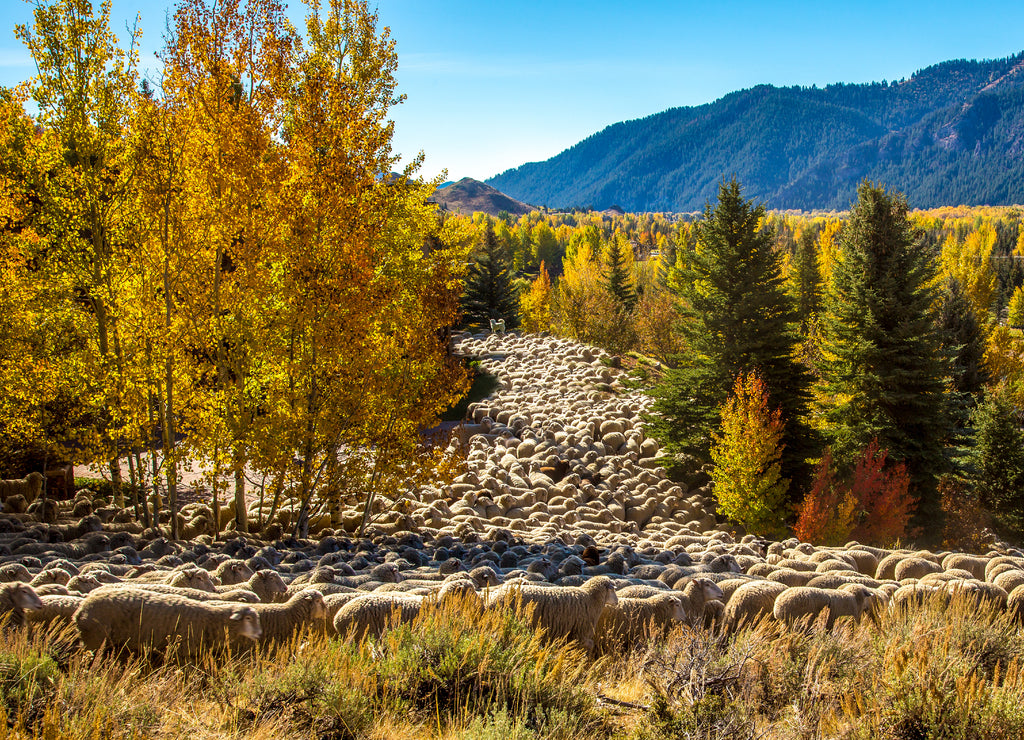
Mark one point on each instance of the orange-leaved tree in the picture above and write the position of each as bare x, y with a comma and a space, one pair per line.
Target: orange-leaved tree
884, 501
746, 453
826, 515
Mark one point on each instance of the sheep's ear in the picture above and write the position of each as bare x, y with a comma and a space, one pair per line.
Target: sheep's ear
237, 616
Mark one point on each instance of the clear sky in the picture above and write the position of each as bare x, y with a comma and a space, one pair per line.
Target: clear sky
493, 85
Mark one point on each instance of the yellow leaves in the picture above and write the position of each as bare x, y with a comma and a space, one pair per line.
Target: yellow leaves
535, 304
1004, 357
828, 250
969, 261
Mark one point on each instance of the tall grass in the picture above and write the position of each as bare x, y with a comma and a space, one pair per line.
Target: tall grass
457, 672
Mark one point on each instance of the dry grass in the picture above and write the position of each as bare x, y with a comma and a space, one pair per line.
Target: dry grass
459, 673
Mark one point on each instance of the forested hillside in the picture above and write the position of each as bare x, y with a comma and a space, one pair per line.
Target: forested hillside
950, 134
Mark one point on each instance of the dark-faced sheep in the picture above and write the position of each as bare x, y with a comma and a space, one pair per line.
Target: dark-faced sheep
137, 621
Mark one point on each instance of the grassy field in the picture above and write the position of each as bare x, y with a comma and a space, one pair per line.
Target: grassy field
936, 672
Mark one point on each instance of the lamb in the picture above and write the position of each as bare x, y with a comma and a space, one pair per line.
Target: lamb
750, 602
561, 611
266, 583
281, 622
851, 600
29, 487
137, 621
17, 598
632, 620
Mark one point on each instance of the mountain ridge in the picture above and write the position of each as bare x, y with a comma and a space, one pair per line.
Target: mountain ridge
950, 134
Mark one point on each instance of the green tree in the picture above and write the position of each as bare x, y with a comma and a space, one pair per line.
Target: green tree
746, 454
882, 363
805, 279
489, 292
996, 462
618, 274
737, 318
1015, 309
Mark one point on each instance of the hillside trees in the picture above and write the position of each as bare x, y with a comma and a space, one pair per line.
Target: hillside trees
882, 367
737, 318
490, 293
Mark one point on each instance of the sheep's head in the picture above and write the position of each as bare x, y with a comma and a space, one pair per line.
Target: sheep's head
386, 573
272, 581
25, 597
85, 583
315, 599
710, 589
246, 622
604, 584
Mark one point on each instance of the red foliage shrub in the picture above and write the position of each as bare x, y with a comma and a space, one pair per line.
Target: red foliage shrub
826, 514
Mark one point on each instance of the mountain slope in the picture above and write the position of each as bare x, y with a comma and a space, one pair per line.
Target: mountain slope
468, 196
952, 133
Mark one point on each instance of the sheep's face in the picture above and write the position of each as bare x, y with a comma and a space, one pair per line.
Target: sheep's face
273, 582
317, 608
247, 623
86, 583
610, 597
711, 590
679, 611
24, 597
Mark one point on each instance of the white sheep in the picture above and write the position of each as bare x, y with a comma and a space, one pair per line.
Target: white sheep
265, 583
232, 572
751, 602
17, 598
236, 595
281, 622
561, 611
370, 615
851, 600
696, 593
137, 621
55, 608
632, 620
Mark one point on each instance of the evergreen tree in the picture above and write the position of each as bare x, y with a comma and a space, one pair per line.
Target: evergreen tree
489, 291
882, 363
806, 279
963, 339
996, 461
618, 275
738, 319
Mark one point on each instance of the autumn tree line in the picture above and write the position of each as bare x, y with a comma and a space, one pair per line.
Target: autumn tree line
844, 376
219, 262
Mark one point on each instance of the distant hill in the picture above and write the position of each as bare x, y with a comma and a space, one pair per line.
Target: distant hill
951, 134
468, 196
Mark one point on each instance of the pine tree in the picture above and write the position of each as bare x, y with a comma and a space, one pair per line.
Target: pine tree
738, 318
489, 291
806, 280
882, 364
996, 461
618, 275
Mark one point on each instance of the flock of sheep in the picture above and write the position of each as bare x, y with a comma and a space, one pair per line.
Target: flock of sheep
563, 512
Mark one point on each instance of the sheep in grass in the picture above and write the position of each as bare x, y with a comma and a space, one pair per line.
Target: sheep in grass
333, 604
1015, 604
750, 602
794, 604
561, 611
696, 592
17, 598
632, 620
55, 608
265, 583
238, 595
138, 621
369, 615
281, 622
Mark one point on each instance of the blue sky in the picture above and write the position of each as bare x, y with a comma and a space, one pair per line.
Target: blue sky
493, 85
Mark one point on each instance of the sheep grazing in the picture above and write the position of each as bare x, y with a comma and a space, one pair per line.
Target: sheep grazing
750, 602
561, 611
17, 598
55, 608
281, 622
633, 620
138, 621
851, 600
